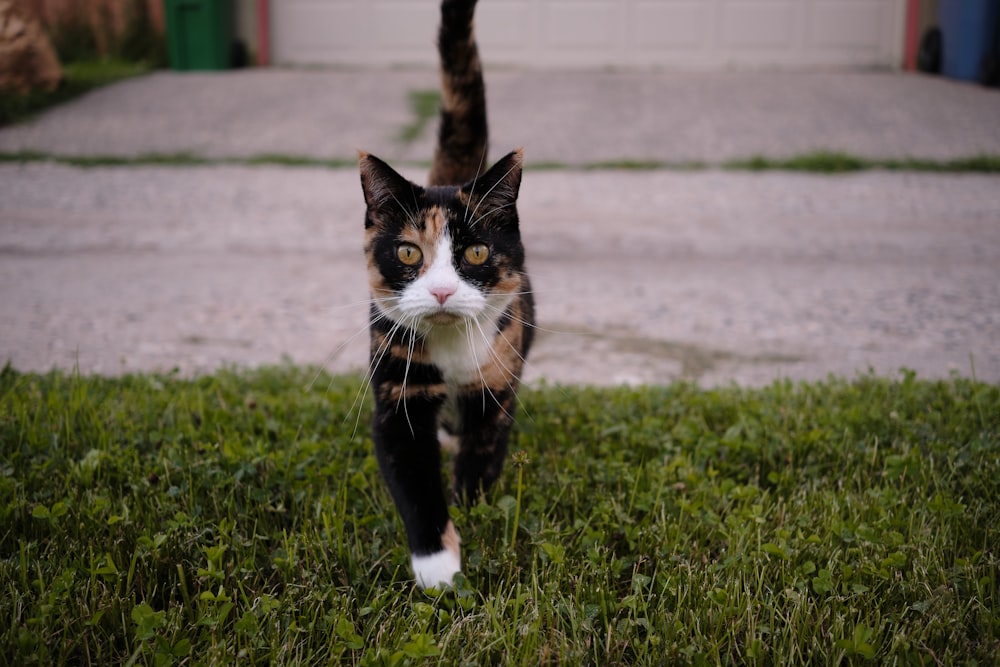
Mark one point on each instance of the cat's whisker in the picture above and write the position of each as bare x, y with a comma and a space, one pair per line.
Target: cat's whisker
369, 378
489, 213
386, 304
411, 216
495, 356
359, 398
494, 187
351, 304
406, 374
479, 169
496, 293
377, 357
499, 311
333, 355
379, 316
536, 327
340, 348
479, 369
496, 359
508, 372
521, 357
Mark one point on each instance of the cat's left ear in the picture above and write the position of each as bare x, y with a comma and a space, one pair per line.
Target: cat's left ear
387, 193
498, 187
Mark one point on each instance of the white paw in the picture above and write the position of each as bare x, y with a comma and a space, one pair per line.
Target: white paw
436, 570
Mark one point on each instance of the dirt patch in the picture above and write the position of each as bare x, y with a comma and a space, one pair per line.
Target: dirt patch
566, 353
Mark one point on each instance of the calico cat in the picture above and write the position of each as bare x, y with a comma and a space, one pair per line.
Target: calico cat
451, 312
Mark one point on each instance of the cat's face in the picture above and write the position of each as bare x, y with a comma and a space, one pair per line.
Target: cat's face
442, 256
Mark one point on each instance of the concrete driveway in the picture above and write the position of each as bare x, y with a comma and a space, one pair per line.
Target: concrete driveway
642, 276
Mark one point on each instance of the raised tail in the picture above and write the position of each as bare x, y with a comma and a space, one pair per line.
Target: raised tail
463, 137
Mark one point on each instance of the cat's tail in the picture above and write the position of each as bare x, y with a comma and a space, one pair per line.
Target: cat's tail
462, 137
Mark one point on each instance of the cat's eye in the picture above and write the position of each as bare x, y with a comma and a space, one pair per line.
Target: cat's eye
409, 254
476, 254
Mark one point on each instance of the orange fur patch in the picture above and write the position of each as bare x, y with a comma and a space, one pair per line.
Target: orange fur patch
434, 225
417, 355
451, 541
502, 370
394, 391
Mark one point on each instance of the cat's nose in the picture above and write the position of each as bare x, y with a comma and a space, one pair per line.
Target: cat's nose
442, 292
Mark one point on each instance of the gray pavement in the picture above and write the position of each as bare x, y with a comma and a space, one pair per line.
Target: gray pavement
565, 117
641, 276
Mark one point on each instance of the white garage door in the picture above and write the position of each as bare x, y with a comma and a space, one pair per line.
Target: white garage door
683, 34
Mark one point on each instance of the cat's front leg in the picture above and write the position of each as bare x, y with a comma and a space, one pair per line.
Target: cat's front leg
409, 458
486, 417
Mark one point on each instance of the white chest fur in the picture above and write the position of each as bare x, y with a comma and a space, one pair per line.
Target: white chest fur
459, 351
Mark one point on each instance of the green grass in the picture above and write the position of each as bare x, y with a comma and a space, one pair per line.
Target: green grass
240, 518
820, 163
424, 105
282, 160
180, 159
78, 78
825, 162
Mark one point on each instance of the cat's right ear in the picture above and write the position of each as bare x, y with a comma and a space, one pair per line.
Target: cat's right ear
388, 195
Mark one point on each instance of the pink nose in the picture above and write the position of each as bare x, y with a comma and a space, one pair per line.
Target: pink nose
442, 292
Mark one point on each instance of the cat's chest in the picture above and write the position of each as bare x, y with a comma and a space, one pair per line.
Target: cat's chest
458, 352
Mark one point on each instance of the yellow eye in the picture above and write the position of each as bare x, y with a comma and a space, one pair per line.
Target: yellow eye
409, 254
476, 254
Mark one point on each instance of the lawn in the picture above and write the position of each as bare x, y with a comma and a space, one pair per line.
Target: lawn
240, 518
78, 78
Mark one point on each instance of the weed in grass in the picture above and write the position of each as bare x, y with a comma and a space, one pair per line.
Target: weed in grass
648, 165
424, 106
278, 160
233, 517
21, 157
829, 162
987, 164
181, 159
78, 78
823, 163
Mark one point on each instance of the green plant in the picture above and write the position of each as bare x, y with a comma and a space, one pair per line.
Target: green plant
821, 163
424, 107
236, 517
78, 78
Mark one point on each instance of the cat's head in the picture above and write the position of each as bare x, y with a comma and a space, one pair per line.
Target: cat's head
442, 255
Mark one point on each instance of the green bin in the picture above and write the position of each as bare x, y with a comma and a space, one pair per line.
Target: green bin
199, 33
